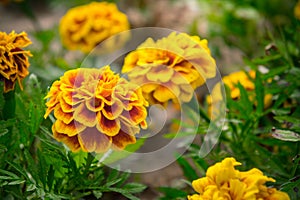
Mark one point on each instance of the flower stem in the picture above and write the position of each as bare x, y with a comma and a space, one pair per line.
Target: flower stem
8, 112
9, 105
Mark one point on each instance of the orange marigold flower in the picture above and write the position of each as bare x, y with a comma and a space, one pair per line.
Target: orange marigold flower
85, 26
170, 68
223, 181
95, 109
13, 59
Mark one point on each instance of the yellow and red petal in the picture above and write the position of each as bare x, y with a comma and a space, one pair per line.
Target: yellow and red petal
71, 129
108, 127
72, 142
65, 117
112, 112
85, 116
91, 140
122, 139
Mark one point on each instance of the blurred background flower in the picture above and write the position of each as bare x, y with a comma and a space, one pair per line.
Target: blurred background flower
95, 109
13, 59
84, 27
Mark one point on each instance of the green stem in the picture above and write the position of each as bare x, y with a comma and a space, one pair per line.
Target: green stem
9, 105
8, 112
89, 161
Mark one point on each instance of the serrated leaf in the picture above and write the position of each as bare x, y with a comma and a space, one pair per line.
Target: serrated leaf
124, 193
286, 135
14, 176
134, 187
17, 182
19, 169
7, 178
291, 119
113, 182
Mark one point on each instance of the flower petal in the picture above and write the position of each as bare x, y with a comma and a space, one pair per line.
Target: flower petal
121, 140
91, 140
108, 127
72, 142
70, 129
85, 116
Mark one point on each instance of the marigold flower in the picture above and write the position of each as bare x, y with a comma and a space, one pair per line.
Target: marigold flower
84, 27
231, 81
13, 59
170, 68
224, 182
95, 109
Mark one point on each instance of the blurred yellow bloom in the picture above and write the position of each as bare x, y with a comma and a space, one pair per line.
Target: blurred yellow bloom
13, 59
84, 27
241, 77
95, 109
231, 81
224, 182
170, 68
297, 10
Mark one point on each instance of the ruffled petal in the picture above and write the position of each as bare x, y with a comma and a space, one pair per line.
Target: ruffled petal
91, 140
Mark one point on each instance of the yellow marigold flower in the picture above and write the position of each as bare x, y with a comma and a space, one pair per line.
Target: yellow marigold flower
170, 68
84, 27
95, 109
297, 10
13, 59
231, 81
224, 182
234, 78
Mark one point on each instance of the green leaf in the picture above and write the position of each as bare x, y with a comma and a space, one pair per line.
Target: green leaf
130, 196
32, 165
188, 170
284, 95
286, 135
134, 187
50, 177
98, 194
19, 169
124, 193
274, 71
17, 182
10, 174
3, 132
266, 59
260, 94
291, 119
289, 186
172, 193
245, 102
